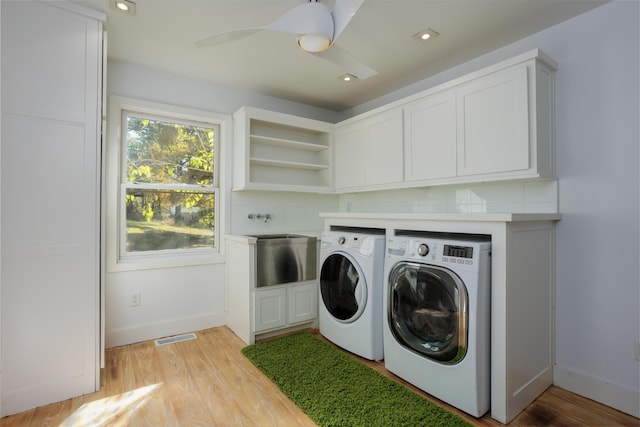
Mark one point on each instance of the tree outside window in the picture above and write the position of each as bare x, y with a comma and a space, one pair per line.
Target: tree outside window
168, 185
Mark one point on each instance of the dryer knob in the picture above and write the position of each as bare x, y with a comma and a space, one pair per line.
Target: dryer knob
341, 240
423, 250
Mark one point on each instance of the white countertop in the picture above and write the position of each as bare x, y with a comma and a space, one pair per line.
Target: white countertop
483, 217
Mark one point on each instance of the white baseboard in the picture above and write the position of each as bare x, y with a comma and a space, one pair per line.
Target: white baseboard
613, 395
118, 337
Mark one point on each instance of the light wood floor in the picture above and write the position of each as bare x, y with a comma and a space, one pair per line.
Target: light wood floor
208, 382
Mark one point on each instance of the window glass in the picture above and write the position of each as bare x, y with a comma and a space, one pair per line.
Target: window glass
169, 184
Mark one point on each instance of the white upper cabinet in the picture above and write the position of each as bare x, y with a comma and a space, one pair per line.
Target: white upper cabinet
368, 152
430, 137
275, 151
494, 124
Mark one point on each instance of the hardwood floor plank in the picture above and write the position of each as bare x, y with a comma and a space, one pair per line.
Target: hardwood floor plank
208, 382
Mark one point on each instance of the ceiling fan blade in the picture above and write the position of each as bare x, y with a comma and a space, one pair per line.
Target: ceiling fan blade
342, 12
308, 18
226, 37
350, 64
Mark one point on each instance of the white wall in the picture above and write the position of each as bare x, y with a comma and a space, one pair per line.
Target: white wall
182, 299
597, 157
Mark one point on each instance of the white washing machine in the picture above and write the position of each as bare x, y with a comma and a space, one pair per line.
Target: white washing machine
437, 316
351, 290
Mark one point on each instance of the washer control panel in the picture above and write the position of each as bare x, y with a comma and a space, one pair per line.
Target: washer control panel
445, 252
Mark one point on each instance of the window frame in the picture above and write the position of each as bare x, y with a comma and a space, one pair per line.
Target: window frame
115, 228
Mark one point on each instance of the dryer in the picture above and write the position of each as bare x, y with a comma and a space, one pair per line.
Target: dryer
351, 291
437, 312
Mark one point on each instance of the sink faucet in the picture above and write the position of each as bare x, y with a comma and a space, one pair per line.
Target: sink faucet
266, 217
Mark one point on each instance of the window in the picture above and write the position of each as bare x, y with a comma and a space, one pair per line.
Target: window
168, 185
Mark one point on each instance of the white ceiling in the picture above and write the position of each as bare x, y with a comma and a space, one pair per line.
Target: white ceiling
162, 33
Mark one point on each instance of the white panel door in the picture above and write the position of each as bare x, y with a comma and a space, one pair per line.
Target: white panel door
383, 148
493, 123
430, 137
303, 302
270, 309
349, 162
51, 73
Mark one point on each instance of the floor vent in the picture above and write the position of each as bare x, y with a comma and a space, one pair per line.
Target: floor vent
176, 338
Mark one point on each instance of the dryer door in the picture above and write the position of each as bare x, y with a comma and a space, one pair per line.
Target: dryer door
427, 311
343, 287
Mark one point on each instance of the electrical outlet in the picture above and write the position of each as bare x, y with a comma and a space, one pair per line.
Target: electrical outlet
135, 299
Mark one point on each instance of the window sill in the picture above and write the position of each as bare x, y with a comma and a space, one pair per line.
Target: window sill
165, 261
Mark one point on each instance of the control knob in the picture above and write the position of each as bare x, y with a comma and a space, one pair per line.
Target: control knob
341, 240
423, 249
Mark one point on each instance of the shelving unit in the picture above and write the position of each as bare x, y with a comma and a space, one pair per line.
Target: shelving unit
275, 151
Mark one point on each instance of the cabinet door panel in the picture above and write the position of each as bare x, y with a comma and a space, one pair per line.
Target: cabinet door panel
349, 156
384, 149
270, 309
430, 132
493, 124
303, 303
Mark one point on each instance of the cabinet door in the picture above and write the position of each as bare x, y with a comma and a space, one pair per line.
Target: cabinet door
430, 137
369, 151
349, 156
493, 123
303, 303
270, 309
383, 148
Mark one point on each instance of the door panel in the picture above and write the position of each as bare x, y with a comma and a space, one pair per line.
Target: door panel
51, 65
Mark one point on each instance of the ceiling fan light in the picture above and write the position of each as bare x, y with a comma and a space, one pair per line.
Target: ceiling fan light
314, 43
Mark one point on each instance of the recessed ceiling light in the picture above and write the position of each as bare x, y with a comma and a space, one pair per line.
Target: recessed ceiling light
125, 6
347, 77
425, 35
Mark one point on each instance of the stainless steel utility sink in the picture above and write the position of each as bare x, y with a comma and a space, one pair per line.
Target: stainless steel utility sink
285, 258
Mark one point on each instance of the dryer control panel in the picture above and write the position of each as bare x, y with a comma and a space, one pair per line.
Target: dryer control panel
362, 244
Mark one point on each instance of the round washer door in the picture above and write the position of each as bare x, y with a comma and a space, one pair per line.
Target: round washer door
343, 287
427, 311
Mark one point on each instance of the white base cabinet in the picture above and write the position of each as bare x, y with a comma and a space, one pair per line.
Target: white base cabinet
284, 306
252, 311
522, 293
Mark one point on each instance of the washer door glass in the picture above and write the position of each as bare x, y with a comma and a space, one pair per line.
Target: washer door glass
343, 287
427, 311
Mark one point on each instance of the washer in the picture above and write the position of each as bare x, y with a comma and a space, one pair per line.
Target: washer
351, 291
437, 312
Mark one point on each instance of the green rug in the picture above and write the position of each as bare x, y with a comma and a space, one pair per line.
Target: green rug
334, 389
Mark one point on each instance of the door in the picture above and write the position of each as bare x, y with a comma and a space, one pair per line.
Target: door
343, 287
430, 134
493, 123
427, 311
51, 71
270, 309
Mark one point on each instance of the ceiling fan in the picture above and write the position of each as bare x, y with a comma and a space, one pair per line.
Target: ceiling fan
317, 29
